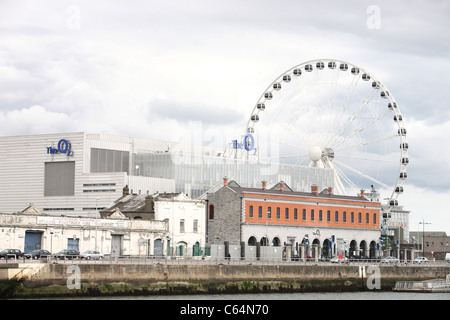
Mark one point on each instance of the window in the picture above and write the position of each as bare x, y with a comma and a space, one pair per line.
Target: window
367, 218
304, 214
328, 216
344, 217
278, 212
312, 214
269, 213
195, 226
59, 179
250, 212
320, 215
105, 160
211, 211
260, 212
295, 214
352, 217
336, 216
359, 217
374, 218
286, 213
181, 225
72, 243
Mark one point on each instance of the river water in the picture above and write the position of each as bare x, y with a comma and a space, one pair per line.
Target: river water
364, 295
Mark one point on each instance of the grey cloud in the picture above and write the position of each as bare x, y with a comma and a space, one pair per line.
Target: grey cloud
187, 112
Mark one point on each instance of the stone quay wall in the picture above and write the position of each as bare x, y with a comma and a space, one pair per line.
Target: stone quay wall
124, 279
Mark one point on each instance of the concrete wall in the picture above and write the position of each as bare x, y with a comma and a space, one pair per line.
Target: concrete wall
58, 273
126, 279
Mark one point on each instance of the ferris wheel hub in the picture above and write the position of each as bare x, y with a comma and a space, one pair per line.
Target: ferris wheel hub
315, 153
328, 153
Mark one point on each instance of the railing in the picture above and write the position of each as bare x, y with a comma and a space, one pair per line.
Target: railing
143, 259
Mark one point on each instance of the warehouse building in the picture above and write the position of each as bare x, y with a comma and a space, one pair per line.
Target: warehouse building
78, 174
315, 224
116, 235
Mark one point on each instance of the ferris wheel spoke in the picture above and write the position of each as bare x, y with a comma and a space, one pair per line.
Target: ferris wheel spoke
368, 159
301, 147
365, 102
362, 128
285, 125
341, 177
286, 157
364, 175
364, 143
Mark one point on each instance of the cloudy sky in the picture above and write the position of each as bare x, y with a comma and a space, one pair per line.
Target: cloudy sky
148, 68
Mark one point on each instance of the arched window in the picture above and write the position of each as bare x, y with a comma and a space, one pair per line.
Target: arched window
252, 241
276, 242
211, 211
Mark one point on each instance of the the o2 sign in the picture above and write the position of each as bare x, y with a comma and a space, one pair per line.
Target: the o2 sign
63, 146
248, 143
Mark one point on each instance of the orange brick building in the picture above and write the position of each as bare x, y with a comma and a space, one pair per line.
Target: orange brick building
309, 223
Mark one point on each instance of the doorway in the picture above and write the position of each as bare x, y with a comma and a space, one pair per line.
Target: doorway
116, 245
32, 241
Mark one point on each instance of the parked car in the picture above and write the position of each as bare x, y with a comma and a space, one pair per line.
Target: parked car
37, 254
389, 260
67, 254
420, 260
360, 258
11, 254
447, 257
337, 260
92, 254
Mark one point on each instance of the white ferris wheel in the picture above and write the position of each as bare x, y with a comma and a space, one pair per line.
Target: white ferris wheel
332, 114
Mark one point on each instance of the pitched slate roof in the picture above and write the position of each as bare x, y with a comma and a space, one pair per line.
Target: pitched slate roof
320, 195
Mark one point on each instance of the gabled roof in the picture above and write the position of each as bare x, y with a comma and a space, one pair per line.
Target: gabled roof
288, 191
217, 187
116, 215
128, 203
281, 186
31, 210
137, 203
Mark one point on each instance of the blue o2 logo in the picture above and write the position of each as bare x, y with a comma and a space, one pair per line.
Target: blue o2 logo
248, 143
63, 146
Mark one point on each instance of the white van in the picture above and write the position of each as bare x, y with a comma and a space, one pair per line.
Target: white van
447, 257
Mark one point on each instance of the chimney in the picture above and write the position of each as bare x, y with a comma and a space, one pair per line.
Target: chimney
125, 191
264, 184
281, 186
225, 181
315, 189
362, 192
330, 191
149, 204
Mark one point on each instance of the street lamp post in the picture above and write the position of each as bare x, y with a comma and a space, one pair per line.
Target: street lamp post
423, 235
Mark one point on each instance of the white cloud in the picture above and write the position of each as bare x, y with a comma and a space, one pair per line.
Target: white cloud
210, 61
33, 120
426, 204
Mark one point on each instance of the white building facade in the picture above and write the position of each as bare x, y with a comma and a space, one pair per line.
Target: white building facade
72, 174
187, 223
116, 236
